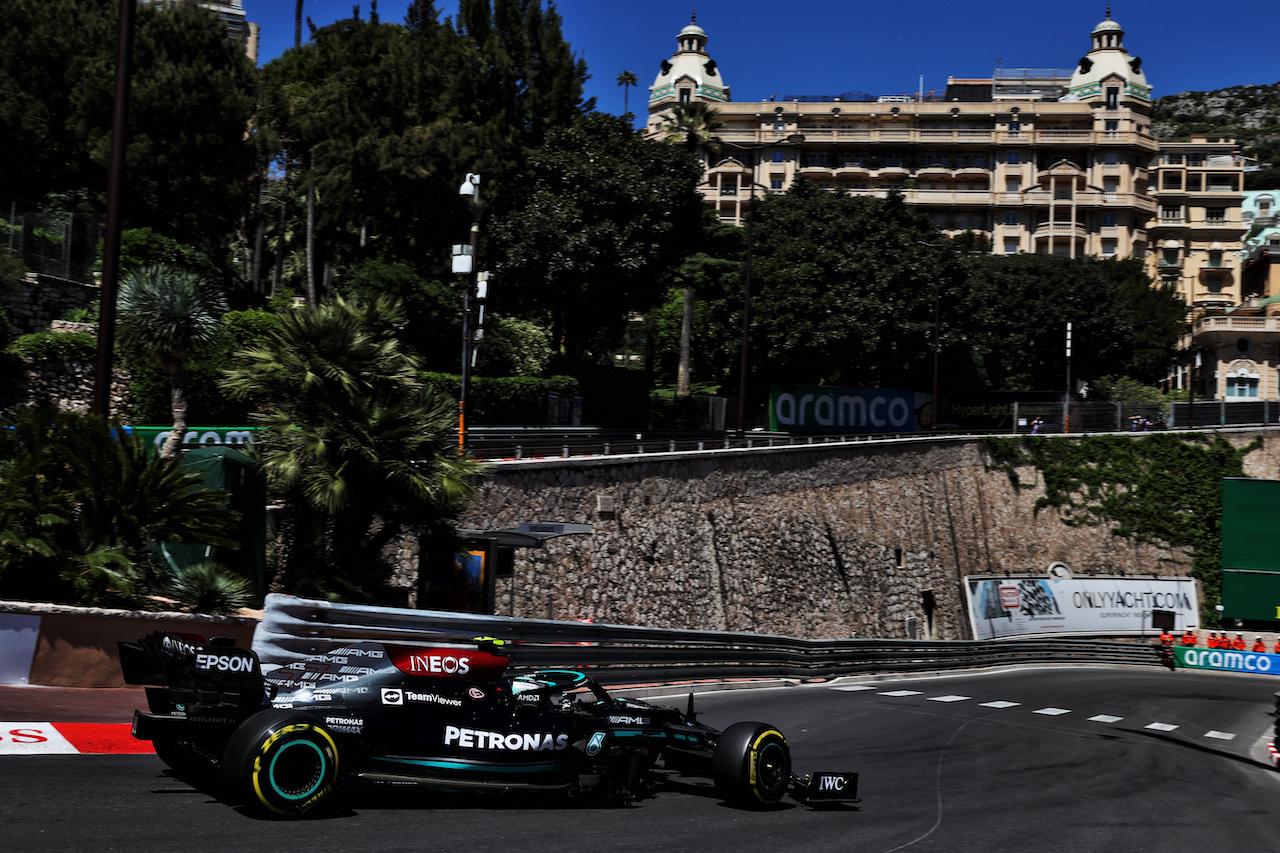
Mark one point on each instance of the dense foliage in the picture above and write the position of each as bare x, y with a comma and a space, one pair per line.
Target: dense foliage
190, 102
356, 446
82, 501
1161, 489
599, 234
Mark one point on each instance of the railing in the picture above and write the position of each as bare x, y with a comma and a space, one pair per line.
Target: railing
294, 628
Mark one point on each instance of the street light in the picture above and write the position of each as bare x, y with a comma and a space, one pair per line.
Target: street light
464, 263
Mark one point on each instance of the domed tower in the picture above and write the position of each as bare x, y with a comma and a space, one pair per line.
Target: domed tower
690, 75
1108, 72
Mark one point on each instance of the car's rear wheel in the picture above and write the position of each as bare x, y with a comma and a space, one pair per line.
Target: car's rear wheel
282, 760
751, 765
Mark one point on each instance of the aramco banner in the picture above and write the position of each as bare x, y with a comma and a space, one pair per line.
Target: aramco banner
198, 436
1010, 606
817, 409
1225, 659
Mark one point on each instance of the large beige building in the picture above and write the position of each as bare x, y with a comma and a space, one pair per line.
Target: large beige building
1056, 161
1035, 160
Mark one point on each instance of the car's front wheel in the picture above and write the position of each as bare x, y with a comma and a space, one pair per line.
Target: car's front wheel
752, 765
282, 760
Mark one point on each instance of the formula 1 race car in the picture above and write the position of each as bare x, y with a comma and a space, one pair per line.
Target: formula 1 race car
444, 717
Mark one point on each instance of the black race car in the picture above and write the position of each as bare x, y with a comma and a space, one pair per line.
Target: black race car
446, 717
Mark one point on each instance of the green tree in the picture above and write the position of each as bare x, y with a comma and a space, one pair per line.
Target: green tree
844, 289
358, 448
1014, 314
190, 102
170, 312
607, 220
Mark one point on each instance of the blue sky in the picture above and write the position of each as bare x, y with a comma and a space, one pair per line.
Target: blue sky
826, 47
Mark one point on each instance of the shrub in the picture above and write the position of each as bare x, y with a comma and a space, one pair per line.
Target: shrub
56, 346
209, 588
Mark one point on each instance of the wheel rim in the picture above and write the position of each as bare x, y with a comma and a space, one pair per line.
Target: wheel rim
296, 774
771, 768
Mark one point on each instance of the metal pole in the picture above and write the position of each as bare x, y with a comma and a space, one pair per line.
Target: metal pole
746, 312
1066, 398
468, 296
111, 237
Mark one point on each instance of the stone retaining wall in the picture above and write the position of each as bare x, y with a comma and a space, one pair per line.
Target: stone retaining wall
823, 541
43, 299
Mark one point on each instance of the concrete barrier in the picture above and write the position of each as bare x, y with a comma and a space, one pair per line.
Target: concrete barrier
63, 646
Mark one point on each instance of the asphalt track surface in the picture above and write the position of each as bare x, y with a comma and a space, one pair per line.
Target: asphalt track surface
1058, 760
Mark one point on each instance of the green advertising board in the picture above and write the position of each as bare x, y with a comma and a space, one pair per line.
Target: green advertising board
1251, 595
1250, 524
1227, 660
205, 436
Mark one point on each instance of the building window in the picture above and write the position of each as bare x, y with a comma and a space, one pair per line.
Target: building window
1108, 247
1169, 257
1062, 191
685, 95
775, 182
1108, 220
1112, 128
1113, 97
1010, 218
779, 126
1013, 158
1222, 183
1012, 185
1215, 257
1170, 212
1171, 181
1242, 386
1195, 158
1242, 345
779, 156
1195, 182
1111, 158
1011, 247
1215, 215
1173, 159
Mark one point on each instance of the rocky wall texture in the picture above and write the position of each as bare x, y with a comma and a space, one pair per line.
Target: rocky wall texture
808, 541
43, 299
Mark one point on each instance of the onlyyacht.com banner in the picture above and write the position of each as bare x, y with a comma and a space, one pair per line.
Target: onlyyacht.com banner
1012, 606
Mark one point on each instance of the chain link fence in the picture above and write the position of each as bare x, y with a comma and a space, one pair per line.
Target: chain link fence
1080, 417
52, 242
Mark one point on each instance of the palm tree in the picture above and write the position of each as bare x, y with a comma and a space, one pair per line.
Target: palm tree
170, 312
355, 442
82, 501
626, 80
693, 125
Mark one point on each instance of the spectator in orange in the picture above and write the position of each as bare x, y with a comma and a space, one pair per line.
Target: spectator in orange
1166, 639
1259, 647
1212, 640
1238, 644
1277, 648
1188, 638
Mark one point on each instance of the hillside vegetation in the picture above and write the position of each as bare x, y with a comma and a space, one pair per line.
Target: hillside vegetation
1251, 114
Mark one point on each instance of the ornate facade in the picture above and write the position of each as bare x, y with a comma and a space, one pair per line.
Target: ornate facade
1054, 161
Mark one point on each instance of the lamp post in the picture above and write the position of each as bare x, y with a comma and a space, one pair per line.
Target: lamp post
464, 263
746, 307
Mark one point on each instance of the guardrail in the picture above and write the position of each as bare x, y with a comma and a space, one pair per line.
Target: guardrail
293, 628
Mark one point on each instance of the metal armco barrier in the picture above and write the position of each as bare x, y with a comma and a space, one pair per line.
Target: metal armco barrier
293, 628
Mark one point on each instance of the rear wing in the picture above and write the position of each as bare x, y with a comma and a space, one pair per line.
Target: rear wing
187, 676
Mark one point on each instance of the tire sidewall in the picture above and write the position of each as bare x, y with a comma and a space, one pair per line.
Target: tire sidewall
254, 751
740, 753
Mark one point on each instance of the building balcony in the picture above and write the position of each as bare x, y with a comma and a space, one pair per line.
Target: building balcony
1060, 229
1231, 324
